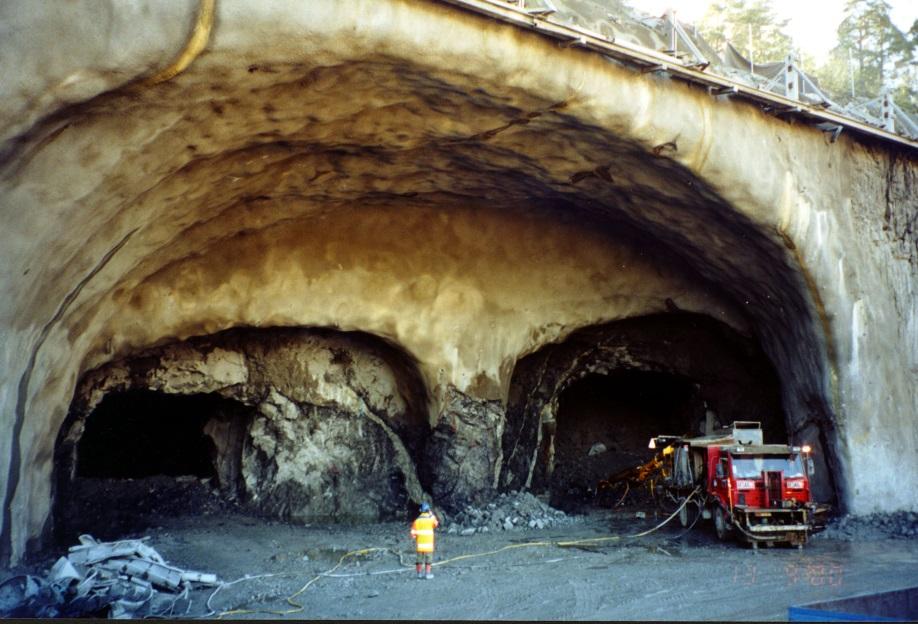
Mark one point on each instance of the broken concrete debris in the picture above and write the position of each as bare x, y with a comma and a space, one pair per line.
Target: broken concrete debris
125, 579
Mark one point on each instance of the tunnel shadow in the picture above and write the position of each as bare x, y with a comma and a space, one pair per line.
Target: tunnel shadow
604, 423
145, 454
141, 433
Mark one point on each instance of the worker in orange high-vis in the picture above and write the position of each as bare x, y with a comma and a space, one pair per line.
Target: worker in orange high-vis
422, 530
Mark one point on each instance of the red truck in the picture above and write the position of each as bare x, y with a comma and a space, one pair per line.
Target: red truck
759, 493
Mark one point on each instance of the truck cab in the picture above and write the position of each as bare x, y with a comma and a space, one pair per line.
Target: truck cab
762, 492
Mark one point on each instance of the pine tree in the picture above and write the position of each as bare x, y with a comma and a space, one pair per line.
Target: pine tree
871, 55
880, 52
732, 20
905, 72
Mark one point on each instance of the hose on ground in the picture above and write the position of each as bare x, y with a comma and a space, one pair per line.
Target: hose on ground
642, 533
330, 573
297, 607
692, 525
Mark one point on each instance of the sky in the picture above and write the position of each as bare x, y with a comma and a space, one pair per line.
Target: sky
812, 26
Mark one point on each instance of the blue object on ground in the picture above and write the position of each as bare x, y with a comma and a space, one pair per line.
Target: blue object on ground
898, 605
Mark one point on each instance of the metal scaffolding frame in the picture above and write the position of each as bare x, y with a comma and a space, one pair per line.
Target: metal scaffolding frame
793, 95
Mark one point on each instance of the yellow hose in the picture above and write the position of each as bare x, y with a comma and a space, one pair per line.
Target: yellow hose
194, 46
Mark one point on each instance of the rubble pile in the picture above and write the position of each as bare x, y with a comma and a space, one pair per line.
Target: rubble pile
897, 525
124, 579
513, 511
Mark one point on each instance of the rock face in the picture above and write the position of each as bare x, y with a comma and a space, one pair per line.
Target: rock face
465, 449
303, 466
459, 190
328, 436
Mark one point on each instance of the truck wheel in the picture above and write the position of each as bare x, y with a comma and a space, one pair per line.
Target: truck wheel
720, 523
683, 516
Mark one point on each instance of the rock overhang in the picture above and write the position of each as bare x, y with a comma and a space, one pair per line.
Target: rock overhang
234, 194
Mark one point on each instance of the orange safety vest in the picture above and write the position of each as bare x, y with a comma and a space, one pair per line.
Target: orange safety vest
422, 530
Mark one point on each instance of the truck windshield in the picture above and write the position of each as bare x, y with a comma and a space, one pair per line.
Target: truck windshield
752, 467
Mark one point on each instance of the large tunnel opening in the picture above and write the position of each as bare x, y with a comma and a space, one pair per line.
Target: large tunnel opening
582, 411
144, 454
140, 433
253, 194
293, 424
604, 423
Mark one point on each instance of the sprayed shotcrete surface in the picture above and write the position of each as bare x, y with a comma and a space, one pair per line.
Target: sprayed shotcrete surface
465, 190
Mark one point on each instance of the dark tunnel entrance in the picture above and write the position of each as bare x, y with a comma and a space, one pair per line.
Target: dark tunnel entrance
140, 433
144, 453
604, 423
322, 426
582, 410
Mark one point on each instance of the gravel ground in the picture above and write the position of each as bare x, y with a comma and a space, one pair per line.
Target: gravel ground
366, 572
899, 525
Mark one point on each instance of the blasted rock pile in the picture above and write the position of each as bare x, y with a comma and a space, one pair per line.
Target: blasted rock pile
897, 525
513, 511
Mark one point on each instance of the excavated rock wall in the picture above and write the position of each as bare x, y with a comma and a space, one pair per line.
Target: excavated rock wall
466, 190
334, 433
732, 379
465, 450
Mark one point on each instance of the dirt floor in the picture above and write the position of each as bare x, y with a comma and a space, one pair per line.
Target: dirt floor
367, 572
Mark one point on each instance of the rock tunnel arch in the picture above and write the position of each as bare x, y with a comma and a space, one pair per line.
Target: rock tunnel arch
668, 219
446, 201
584, 408
295, 424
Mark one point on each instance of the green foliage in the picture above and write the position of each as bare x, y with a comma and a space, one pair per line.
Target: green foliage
872, 54
732, 20
874, 42
833, 76
906, 73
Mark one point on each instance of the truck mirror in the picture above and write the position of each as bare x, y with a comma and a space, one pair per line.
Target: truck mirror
810, 466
